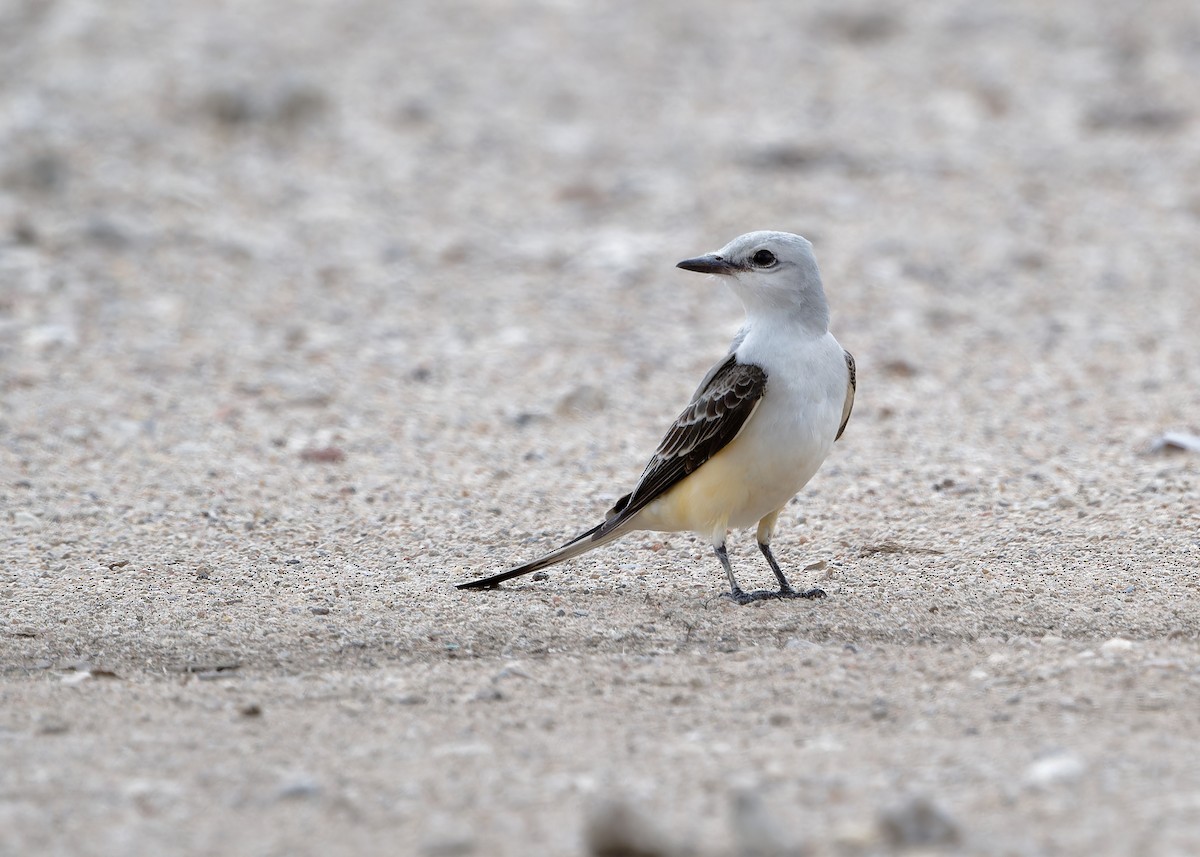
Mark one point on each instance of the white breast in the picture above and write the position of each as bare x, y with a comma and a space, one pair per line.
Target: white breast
793, 429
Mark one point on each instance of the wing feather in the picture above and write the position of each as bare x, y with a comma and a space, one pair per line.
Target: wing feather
713, 418
851, 387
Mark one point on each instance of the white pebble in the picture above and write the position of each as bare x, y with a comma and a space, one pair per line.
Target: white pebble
1055, 769
26, 521
1117, 646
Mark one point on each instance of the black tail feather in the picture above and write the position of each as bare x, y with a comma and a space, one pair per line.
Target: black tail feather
582, 543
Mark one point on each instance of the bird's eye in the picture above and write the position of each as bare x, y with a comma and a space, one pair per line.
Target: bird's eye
763, 258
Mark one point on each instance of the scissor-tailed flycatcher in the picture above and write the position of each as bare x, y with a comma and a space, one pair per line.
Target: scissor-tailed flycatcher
757, 428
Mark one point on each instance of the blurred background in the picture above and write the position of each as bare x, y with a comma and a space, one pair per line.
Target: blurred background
397, 230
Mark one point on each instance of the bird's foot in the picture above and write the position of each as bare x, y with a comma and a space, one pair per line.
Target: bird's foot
741, 597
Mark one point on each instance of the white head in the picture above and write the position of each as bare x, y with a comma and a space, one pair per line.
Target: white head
773, 273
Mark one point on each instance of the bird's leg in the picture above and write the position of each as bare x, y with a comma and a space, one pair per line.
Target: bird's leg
735, 591
766, 528
785, 588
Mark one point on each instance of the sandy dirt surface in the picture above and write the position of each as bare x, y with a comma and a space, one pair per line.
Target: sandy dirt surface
309, 310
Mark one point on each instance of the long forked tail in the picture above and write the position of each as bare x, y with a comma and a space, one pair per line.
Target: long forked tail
582, 543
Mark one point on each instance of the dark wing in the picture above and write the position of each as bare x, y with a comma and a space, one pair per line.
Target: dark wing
710, 421
848, 406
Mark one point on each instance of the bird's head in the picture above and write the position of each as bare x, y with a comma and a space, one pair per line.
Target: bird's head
772, 272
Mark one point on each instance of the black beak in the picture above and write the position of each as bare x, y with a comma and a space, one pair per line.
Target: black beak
710, 264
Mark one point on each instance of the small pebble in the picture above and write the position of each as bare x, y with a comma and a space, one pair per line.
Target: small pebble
1055, 769
298, 789
796, 644
617, 828
1173, 441
1117, 646
756, 831
449, 845
51, 725
26, 521
455, 845
488, 694
917, 822
323, 455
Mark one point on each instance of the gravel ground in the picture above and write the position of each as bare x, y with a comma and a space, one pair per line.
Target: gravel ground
309, 310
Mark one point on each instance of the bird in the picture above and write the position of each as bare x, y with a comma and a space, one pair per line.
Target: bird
757, 428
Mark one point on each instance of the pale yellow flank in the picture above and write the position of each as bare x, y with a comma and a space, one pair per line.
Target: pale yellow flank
703, 501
